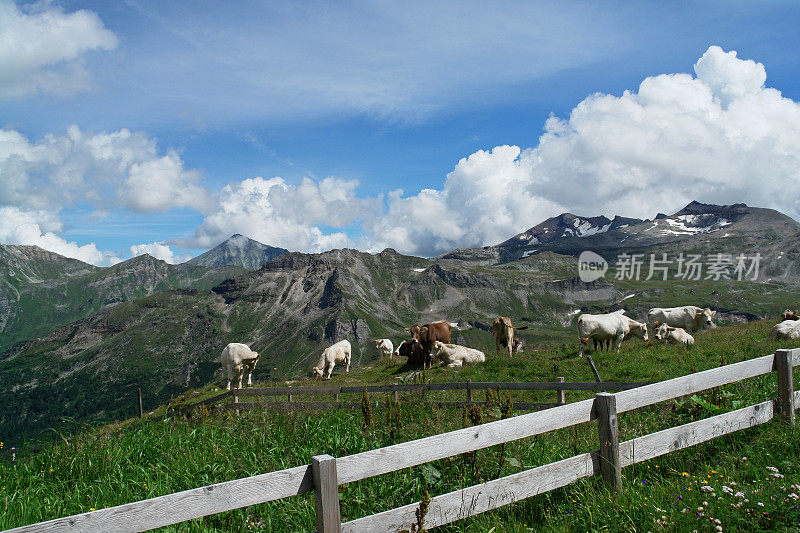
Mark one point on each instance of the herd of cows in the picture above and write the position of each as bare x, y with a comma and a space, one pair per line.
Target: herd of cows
673, 325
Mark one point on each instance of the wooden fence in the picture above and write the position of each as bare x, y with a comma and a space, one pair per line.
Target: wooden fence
325, 473
469, 387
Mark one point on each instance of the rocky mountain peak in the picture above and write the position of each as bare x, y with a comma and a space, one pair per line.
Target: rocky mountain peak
239, 250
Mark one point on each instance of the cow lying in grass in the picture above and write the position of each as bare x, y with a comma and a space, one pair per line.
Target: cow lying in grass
384, 347
454, 355
336, 353
237, 359
788, 329
689, 317
672, 335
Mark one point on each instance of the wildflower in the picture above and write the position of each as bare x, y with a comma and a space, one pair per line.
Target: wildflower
685, 473
707, 488
777, 475
727, 490
760, 504
772, 469
793, 496
719, 528
705, 504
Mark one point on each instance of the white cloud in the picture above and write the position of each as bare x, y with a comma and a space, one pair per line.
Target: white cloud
159, 250
121, 168
40, 228
718, 137
110, 171
280, 214
41, 48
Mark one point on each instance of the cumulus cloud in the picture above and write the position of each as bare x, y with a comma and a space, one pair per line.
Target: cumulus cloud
40, 228
280, 214
110, 171
719, 136
121, 168
42, 48
159, 250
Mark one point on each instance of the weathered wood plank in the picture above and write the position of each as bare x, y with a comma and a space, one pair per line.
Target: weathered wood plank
326, 494
785, 382
330, 406
294, 391
608, 433
207, 401
186, 505
672, 439
480, 498
684, 385
374, 462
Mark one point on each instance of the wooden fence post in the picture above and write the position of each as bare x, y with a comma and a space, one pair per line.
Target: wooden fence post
326, 494
608, 431
235, 399
395, 395
336, 395
289, 396
784, 364
141, 412
469, 393
561, 395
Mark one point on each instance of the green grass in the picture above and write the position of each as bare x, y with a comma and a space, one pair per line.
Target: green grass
134, 460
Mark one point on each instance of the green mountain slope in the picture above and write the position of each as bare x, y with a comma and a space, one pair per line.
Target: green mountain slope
40, 291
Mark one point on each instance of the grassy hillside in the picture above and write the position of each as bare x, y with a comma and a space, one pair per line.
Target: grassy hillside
133, 460
41, 291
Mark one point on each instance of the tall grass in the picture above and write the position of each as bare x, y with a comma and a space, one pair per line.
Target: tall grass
134, 460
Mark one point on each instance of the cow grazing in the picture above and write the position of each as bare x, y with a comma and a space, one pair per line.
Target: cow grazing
503, 333
672, 335
384, 347
412, 351
336, 353
454, 355
689, 317
615, 327
788, 314
788, 329
425, 335
238, 359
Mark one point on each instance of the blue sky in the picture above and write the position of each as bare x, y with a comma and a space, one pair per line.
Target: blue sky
156, 127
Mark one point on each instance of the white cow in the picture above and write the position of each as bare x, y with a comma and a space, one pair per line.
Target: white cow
689, 317
788, 329
672, 335
454, 355
336, 353
612, 326
384, 347
238, 358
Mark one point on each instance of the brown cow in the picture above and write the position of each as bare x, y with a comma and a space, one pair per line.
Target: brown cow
503, 333
789, 315
425, 335
413, 351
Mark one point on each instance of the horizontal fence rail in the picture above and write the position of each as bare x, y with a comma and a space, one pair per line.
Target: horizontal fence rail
469, 386
326, 473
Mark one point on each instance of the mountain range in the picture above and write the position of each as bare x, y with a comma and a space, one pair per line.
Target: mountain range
90, 336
